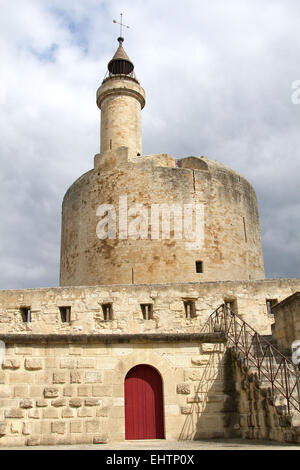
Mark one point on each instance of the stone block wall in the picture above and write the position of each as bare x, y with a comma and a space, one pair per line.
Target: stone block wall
167, 301
228, 217
255, 412
286, 328
72, 390
121, 99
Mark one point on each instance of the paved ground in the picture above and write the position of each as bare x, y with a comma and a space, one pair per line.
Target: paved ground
173, 445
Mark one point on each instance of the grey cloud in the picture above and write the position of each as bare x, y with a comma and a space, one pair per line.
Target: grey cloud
218, 80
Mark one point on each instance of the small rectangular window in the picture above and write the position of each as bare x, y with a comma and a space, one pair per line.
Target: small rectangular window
26, 314
65, 314
199, 267
190, 309
147, 311
270, 303
107, 312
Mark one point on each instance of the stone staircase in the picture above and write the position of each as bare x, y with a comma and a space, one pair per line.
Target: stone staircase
265, 380
272, 340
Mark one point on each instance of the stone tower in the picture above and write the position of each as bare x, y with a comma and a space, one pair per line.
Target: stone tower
146, 201
121, 98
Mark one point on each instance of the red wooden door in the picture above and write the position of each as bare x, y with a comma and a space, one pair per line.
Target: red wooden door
143, 404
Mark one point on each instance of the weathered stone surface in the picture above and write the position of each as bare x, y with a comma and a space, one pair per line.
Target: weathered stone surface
58, 427
100, 396
85, 363
26, 403
35, 391
5, 391
127, 97
75, 402
15, 428
68, 363
207, 347
67, 413
59, 402
92, 426
76, 377
186, 410
21, 391
213, 398
68, 391
51, 392
26, 429
76, 427
194, 375
184, 388
83, 390
33, 364
50, 413
33, 441
196, 399
3, 427
59, 378
41, 403
11, 364
201, 360
48, 440
211, 347
102, 391
93, 377
14, 413
92, 402
85, 412
226, 194
102, 412
286, 328
250, 297
34, 414
100, 439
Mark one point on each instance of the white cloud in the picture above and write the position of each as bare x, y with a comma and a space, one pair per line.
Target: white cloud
218, 80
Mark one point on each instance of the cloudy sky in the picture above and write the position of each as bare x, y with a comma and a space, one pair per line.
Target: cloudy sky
218, 76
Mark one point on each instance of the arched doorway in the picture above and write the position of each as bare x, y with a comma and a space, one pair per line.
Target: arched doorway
144, 418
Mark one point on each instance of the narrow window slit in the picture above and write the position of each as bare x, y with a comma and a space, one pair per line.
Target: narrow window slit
147, 311
270, 303
107, 312
26, 314
65, 314
190, 309
245, 232
199, 266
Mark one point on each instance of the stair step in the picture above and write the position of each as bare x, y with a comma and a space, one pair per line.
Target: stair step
252, 349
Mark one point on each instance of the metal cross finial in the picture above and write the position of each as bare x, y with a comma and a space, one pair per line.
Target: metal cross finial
121, 24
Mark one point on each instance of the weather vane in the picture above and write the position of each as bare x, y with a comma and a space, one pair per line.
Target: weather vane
121, 24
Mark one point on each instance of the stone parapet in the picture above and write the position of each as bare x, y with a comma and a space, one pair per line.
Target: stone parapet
167, 301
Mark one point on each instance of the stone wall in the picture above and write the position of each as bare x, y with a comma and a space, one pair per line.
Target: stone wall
71, 390
255, 412
286, 328
168, 310
121, 99
232, 245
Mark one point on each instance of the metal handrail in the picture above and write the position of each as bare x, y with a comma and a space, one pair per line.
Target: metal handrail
258, 352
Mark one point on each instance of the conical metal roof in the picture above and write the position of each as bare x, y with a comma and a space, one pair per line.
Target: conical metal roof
120, 63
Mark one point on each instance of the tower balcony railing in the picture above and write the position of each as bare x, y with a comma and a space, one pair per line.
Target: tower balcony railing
120, 75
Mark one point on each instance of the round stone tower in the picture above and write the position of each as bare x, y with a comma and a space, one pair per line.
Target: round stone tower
121, 98
147, 218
